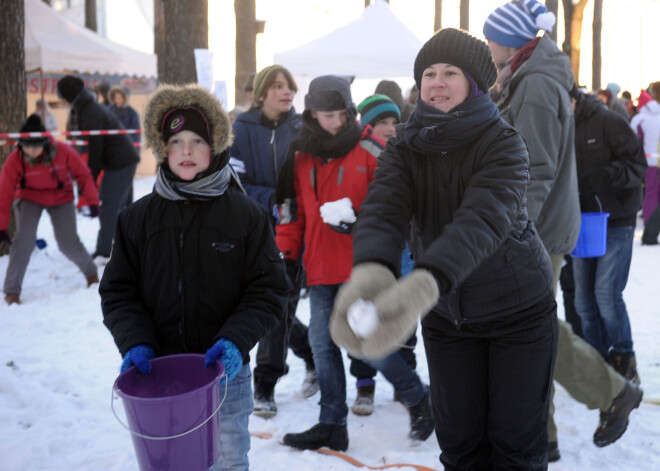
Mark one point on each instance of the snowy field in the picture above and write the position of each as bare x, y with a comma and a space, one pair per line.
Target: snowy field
58, 363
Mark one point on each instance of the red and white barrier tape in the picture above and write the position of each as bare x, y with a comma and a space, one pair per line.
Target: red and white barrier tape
70, 142
101, 132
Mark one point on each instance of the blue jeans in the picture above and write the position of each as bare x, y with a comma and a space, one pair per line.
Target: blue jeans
234, 417
599, 285
327, 356
330, 365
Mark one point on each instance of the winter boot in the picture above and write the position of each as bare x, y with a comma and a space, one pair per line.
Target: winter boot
553, 452
364, 402
625, 365
614, 421
264, 400
92, 279
332, 436
421, 419
310, 385
12, 298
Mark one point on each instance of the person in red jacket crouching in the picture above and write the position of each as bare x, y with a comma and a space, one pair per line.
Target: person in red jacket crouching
37, 176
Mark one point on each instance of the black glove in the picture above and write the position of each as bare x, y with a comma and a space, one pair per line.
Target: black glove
594, 181
93, 210
4, 237
344, 227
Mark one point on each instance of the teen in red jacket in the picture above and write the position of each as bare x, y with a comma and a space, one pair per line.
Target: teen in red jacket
38, 175
321, 188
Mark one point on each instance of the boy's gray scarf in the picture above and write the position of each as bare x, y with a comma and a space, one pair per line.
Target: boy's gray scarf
203, 189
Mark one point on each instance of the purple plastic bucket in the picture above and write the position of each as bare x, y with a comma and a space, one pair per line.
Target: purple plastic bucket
592, 241
173, 412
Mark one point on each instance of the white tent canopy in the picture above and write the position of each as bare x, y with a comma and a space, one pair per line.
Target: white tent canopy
353, 50
54, 43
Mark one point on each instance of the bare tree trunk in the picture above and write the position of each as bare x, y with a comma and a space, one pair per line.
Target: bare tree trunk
574, 25
597, 32
246, 47
568, 14
12, 75
437, 20
187, 26
465, 15
159, 36
552, 6
90, 15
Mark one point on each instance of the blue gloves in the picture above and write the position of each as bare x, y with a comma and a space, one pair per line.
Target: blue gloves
138, 356
229, 355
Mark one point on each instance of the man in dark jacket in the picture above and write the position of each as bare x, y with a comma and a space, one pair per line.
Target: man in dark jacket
115, 155
610, 166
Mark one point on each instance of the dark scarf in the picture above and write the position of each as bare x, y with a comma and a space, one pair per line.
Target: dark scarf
314, 140
207, 185
430, 130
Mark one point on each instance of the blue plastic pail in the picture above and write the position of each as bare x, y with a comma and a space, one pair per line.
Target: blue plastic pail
592, 241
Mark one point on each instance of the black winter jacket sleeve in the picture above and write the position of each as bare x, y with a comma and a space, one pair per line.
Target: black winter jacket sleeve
184, 274
463, 205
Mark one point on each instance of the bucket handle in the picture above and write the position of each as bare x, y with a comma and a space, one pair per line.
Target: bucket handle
600, 206
149, 437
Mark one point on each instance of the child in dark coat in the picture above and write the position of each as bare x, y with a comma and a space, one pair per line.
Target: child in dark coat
194, 266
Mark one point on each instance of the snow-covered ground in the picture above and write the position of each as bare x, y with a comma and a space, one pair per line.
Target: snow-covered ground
58, 364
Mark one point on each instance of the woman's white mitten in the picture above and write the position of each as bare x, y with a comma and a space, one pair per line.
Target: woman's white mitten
366, 282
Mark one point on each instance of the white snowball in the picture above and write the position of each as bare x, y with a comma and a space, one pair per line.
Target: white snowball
334, 212
363, 318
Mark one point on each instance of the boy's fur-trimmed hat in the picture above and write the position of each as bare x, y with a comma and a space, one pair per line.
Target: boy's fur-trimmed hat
170, 97
458, 48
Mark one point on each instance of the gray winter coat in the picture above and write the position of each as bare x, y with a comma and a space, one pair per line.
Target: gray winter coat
535, 101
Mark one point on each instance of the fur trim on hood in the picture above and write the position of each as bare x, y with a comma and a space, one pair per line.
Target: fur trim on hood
167, 97
121, 91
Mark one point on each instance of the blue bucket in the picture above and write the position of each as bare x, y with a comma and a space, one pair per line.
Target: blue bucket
592, 241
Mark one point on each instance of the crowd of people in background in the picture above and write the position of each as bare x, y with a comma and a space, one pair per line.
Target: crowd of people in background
458, 206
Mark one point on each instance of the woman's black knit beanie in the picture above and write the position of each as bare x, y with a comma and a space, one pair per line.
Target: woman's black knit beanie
456, 47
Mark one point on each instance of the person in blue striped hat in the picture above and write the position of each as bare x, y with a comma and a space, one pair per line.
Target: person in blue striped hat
518, 22
382, 114
532, 93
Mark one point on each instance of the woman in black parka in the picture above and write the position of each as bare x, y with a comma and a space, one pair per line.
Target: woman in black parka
454, 181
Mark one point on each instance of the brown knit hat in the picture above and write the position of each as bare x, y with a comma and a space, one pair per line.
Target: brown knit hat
458, 48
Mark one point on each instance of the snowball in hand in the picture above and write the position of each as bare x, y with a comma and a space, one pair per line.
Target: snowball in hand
335, 212
363, 318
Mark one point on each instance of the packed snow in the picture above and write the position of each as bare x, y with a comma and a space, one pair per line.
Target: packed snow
58, 365
336, 212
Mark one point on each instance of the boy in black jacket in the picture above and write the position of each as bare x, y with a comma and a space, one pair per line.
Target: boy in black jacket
194, 265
